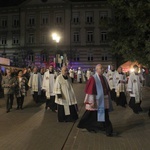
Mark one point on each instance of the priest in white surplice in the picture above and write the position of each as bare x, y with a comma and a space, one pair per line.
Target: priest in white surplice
110, 79
71, 74
65, 98
35, 83
120, 87
48, 86
135, 90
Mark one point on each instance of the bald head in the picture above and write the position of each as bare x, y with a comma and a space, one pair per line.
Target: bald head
64, 70
99, 69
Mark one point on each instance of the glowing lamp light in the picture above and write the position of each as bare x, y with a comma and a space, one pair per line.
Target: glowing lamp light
132, 70
56, 37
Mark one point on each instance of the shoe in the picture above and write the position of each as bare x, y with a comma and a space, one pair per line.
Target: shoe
140, 110
136, 112
17, 108
92, 130
112, 134
7, 111
54, 111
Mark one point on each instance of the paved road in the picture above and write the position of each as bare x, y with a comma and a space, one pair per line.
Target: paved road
33, 128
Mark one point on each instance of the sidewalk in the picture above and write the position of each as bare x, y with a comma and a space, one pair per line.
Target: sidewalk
36, 129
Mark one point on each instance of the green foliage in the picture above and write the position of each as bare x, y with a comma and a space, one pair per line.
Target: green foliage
129, 29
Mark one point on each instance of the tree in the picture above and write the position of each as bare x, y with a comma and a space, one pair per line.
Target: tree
129, 29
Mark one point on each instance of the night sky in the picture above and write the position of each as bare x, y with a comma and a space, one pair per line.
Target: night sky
4, 3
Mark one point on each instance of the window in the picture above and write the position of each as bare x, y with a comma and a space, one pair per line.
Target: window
15, 22
59, 18
76, 57
89, 17
31, 38
103, 37
76, 37
75, 18
3, 40
90, 56
104, 58
44, 20
31, 21
30, 57
103, 15
15, 39
4, 22
44, 38
90, 36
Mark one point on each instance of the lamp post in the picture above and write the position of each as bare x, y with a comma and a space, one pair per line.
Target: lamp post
56, 38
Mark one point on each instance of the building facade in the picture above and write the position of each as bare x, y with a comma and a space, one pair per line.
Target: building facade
26, 33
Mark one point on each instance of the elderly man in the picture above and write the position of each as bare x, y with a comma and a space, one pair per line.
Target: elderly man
97, 104
9, 83
65, 98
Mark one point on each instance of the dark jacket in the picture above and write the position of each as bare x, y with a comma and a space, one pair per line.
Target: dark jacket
9, 84
21, 87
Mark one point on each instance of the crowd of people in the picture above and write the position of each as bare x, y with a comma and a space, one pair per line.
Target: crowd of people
102, 87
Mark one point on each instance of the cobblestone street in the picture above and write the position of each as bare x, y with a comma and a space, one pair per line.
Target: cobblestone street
33, 128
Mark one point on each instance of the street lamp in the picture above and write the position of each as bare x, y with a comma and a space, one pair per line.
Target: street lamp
56, 38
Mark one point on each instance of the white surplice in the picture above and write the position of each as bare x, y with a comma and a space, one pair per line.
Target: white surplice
135, 86
48, 84
64, 88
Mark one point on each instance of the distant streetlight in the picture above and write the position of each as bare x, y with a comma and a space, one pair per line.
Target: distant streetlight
56, 38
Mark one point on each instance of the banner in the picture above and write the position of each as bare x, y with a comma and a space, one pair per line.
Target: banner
4, 61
